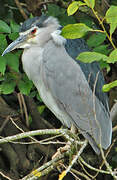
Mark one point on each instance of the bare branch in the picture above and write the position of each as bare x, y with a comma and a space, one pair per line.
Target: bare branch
61, 176
21, 9
44, 169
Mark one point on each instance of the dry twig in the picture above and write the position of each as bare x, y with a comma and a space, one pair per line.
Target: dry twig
21, 9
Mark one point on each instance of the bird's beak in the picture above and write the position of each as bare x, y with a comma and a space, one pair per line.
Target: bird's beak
15, 44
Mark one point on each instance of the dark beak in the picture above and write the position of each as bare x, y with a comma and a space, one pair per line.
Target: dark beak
15, 44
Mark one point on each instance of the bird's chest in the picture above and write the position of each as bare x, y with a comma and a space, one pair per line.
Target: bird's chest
32, 63
33, 66
35, 70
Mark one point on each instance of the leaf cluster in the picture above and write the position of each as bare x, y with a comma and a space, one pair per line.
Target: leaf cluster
10, 75
101, 51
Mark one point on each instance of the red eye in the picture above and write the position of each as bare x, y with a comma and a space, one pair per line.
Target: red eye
33, 31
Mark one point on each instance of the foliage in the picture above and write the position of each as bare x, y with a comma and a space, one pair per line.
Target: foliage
73, 31
12, 77
101, 52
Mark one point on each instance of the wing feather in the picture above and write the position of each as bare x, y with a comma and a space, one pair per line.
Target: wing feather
68, 84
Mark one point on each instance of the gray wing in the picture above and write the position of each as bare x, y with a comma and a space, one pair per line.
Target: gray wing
68, 85
74, 48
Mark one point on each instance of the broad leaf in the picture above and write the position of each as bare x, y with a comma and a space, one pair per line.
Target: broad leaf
113, 56
7, 87
90, 3
88, 57
14, 26
4, 28
103, 65
111, 18
103, 49
109, 86
111, 15
96, 39
13, 36
2, 64
73, 7
113, 26
13, 61
25, 86
73, 31
3, 43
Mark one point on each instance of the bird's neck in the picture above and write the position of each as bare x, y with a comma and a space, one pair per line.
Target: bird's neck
31, 60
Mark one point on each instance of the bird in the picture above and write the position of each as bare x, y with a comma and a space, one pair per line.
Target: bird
71, 89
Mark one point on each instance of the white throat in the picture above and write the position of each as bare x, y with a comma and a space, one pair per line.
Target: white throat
57, 38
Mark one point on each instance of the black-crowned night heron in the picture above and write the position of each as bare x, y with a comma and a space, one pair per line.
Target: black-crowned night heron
71, 90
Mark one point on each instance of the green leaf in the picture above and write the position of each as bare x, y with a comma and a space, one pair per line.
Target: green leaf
89, 57
3, 42
73, 31
13, 36
90, 3
2, 64
109, 86
111, 15
96, 39
31, 16
7, 87
25, 86
39, 98
111, 18
13, 61
73, 7
104, 65
103, 49
65, 19
54, 10
87, 21
4, 28
112, 27
60, 13
14, 26
41, 108
113, 56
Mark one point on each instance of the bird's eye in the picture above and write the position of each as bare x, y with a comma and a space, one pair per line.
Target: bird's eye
33, 31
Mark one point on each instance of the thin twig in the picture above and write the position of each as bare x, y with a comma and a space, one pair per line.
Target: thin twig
3, 175
32, 138
92, 168
41, 171
80, 173
25, 110
107, 164
20, 104
63, 174
21, 9
4, 124
33, 133
109, 149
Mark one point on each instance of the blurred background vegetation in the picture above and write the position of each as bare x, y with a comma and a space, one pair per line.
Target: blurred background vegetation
19, 100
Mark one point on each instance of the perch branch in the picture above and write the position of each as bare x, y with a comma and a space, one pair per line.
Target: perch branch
64, 132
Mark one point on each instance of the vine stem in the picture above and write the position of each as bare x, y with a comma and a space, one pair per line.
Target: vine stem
101, 23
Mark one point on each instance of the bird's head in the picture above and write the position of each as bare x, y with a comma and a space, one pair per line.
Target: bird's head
34, 32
